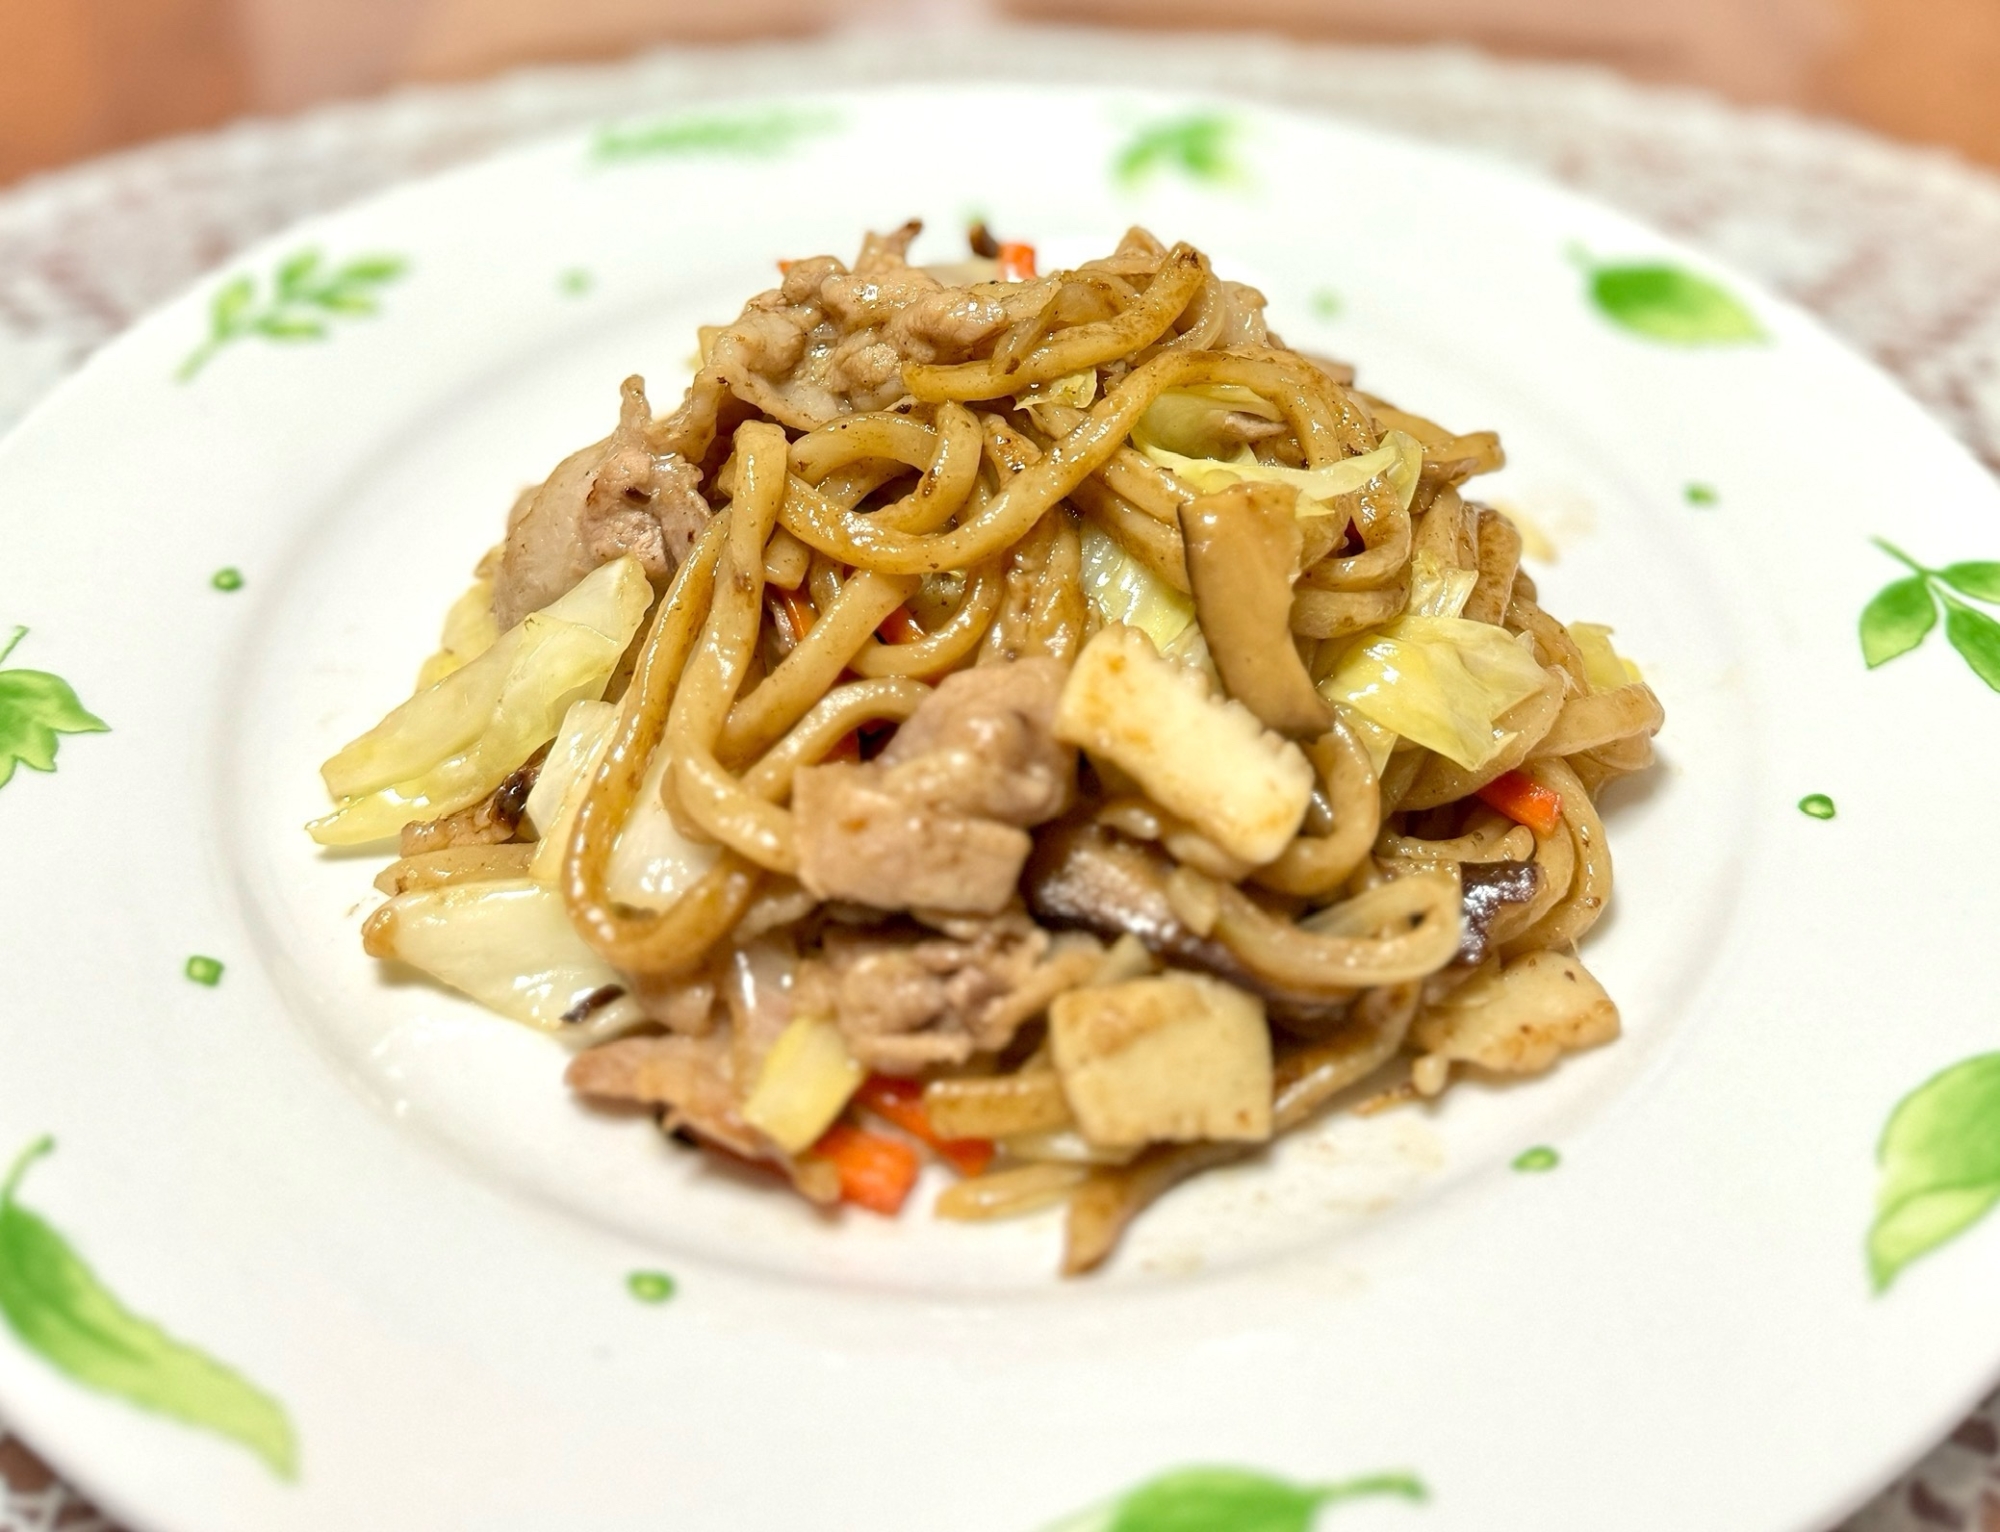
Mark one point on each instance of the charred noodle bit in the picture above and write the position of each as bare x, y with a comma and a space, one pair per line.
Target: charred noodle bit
1074, 734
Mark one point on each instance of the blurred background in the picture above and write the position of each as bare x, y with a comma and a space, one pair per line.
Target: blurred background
78, 77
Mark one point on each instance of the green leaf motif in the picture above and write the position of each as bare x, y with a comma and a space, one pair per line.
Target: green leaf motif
757, 135
304, 295
1979, 580
1231, 1500
55, 1304
1975, 636
35, 707
1899, 618
1201, 147
1940, 1159
1671, 305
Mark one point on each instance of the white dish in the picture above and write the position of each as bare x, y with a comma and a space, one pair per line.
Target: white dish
377, 1202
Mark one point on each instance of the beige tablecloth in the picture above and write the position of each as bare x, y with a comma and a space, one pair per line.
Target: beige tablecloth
1897, 250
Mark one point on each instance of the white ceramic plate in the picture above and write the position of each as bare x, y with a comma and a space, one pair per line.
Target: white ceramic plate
380, 1207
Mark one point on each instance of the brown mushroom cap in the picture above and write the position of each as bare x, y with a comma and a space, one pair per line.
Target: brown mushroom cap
1243, 545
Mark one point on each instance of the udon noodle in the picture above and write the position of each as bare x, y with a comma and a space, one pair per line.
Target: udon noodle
1043, 724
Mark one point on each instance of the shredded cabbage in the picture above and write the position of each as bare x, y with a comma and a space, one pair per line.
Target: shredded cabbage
453, 743
1441, 681
652, 864
1121, 589
1190, 420
469, 631
1604, 666
1437, 589
509, 944
1076, 389
1380, 743
1399, 461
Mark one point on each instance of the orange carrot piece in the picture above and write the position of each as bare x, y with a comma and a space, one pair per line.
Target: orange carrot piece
1017, 261
876, 1172
902, 1102
1525, 801
797, 612
899, 627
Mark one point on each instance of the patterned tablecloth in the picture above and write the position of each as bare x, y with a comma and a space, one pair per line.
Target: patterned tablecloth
1897, 250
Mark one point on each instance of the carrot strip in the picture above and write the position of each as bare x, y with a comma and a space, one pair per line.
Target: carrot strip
797, 613
1525, 801
876, 1172
1017, 261
899, 627
902, 1102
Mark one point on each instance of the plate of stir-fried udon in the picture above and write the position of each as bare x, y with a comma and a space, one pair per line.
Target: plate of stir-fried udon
1006, 785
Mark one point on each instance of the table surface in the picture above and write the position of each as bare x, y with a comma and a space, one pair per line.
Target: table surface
1898, 251
82, 77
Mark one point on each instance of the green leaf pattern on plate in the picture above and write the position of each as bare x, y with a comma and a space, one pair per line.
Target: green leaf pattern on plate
1902, 613
34, 708
305, 296
1940, 1159
54, 1303
1201, 146
1668, 303
754, 135
1231, 1500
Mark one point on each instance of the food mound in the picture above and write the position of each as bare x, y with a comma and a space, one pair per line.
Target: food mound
1042, 724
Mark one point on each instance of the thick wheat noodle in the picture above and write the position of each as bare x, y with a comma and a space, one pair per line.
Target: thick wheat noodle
670, 942
1499, 558
1556, 649
1337, 614
1204, 318
844, 442
1423, 940
1555, 866
1303, 1082
1488, 837
1058, 614
709, 794
1128, 472
1590, 884
888, 699
1633, 753
1527, 723
848, 487
782, 698
955, 638
1081, 346
1155, 544
1603, 718
1314, 865
854, 539
1381, 562
1440, 532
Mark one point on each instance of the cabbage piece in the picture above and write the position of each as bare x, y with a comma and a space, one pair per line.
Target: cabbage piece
1438, 589
1380, 743
564, 779
1604, 667
1121, 589
1191, 420
1441, 681
1399, 461
509, 944
652, 864
452, 744
469, 631
1076, 389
